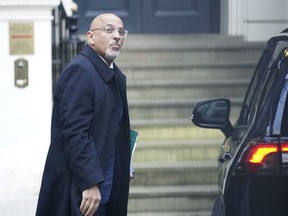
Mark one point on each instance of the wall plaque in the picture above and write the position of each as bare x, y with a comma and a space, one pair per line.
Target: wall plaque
21, 37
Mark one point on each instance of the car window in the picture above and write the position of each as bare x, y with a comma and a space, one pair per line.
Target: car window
273, 104
261, 104
266, 96
273, 48
267, 66
248, 105
280, 119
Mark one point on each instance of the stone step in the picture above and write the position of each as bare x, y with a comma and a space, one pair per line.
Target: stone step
187, 70
186, 89
175, 173
194, 55
165, 124
172, 198
182, 41
171, 108
190, 213
178, 150
188, 47
167, 132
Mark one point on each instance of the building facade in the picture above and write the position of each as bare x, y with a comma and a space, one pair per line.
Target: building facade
156, 16
255, 20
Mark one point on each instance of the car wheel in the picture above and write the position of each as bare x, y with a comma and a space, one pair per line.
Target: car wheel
218, 207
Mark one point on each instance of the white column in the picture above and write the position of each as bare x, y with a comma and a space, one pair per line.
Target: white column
255, 20
265, 18
236, 12
25, 113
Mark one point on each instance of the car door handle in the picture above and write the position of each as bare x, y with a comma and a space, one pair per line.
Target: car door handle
226, 156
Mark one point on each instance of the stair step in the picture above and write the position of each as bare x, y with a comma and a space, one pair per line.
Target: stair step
235, 101
160, 122
187, 70
172, 132
172, 198
182, 41
177, 173
194, 213
161, 111
187, 82
169, 108
188, 47
187, 88
178, 150
193, 55
157, 123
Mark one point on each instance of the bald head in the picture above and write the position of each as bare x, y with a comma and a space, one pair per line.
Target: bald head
106, 36
104, 19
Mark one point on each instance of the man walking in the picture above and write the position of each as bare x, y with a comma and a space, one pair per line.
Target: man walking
87, 166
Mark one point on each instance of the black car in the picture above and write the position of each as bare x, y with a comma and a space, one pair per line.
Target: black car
253, 161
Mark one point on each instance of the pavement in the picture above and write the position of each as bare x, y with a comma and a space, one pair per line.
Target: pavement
21, 167
23, 206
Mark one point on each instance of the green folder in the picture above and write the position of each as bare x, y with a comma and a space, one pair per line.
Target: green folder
133, 141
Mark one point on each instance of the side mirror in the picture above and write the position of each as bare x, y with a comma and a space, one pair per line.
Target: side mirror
213, 114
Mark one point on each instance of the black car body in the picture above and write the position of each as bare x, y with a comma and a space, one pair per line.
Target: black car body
253, 161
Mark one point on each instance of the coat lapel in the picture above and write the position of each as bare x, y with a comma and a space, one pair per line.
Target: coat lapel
101, 67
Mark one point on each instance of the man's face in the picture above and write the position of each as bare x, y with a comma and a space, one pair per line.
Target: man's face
106, 36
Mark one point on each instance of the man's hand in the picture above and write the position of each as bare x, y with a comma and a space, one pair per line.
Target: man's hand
90, 201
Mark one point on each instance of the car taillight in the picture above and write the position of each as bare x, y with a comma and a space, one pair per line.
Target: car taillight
259, 152
263, 158
284, 149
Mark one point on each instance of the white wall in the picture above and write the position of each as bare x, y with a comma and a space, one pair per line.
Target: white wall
255, 20
263, 22
25, 113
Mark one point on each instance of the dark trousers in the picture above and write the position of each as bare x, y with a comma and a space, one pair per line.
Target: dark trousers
111, 209
101, 211
117, 203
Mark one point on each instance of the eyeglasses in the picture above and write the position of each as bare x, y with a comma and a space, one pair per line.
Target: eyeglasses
109, 29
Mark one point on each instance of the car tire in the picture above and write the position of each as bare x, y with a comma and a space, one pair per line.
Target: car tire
218, 207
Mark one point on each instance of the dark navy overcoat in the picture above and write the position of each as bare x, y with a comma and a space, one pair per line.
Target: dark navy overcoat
85, 121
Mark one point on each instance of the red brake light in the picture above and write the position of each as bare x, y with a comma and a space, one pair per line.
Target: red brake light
284, 147
263, 158
259, 152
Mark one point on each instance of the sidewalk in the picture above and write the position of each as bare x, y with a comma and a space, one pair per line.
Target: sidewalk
21, 206
21, 168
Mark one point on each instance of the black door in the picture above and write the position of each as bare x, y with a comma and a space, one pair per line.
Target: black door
155, 16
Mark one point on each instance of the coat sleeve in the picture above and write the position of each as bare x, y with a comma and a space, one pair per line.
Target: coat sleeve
75, 94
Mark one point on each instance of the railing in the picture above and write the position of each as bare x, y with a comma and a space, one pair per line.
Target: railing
65, 42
